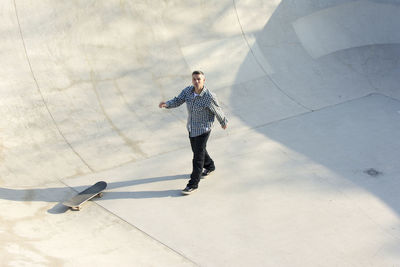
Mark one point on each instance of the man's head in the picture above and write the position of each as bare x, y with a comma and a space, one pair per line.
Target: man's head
198, 79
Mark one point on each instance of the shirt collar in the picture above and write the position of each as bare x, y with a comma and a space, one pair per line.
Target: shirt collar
202, 91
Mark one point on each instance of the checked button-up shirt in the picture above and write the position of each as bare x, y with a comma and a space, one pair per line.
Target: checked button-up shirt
202, 109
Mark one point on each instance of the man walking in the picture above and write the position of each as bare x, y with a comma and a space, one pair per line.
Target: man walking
202, 108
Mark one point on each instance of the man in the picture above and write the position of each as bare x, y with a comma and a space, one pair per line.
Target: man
202, 108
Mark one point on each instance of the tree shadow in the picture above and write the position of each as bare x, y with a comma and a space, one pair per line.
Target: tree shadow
60, 194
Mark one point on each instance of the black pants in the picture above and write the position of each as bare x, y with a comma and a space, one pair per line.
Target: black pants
201, 159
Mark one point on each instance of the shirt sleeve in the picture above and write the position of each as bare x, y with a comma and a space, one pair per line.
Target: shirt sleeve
216, 109
177, 101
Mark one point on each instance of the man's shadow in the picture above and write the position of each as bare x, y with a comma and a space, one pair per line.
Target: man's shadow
60, 194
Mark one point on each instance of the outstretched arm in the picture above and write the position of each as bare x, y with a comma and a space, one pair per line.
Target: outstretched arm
175, 102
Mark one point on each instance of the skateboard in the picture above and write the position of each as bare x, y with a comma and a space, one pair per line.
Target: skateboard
94, 191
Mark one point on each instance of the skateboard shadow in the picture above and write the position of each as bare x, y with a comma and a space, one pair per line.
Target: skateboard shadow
60, 194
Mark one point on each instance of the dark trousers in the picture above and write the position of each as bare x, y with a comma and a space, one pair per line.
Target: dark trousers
201, 159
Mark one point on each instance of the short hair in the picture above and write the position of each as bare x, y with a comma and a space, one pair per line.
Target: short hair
198, 72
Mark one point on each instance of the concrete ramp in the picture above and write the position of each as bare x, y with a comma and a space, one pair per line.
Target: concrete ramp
307, 171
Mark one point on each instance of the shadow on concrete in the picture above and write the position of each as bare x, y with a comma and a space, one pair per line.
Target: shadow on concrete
352, 119
60, 194
144, 194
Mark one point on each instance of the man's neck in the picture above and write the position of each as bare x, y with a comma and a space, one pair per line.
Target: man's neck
198, 91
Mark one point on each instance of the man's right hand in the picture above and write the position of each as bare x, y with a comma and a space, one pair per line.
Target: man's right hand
162, 105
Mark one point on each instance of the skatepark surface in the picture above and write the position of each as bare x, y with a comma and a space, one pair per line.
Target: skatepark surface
307, 171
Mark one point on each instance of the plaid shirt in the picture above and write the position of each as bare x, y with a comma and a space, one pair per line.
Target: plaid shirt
202, 109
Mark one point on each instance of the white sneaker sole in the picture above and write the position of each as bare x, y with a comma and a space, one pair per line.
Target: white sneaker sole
205, 176
188, 193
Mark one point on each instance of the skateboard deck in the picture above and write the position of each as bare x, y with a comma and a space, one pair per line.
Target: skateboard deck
95, 190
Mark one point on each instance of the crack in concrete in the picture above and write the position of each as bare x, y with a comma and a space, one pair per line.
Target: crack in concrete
41, 94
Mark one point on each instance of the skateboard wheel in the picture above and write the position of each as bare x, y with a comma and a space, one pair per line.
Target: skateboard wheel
100, 195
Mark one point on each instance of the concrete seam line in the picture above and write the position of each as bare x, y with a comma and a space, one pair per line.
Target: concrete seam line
40, 92
321, 109
260, 65
137, 228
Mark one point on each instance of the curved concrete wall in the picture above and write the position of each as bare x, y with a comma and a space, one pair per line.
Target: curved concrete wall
82, 80
307, 169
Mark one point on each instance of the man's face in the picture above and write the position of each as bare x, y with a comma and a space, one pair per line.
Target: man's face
198, 81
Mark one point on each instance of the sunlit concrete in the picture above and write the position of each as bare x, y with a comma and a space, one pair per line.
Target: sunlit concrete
307, 171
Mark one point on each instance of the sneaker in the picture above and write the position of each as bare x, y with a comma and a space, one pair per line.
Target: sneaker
188, 190
206, 172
